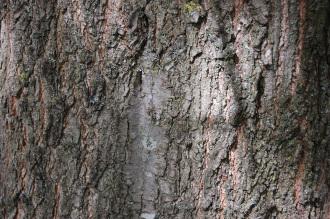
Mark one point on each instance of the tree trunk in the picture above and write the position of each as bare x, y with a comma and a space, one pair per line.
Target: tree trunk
164, 109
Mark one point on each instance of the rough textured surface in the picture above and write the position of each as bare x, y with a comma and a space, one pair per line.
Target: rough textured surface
164, 109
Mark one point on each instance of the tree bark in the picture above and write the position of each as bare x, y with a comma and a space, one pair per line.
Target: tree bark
164, 109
